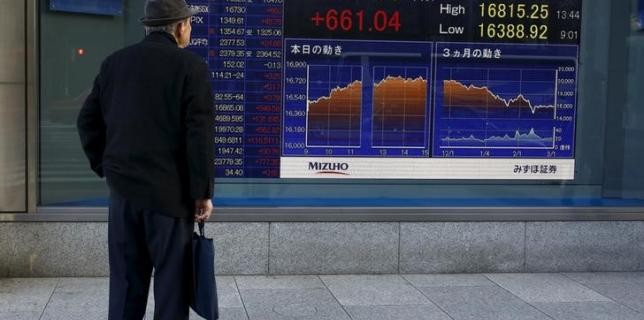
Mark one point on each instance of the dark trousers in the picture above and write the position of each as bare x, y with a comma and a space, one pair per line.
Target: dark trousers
140, 240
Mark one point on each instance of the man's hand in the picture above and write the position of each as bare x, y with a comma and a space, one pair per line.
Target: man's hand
203, 210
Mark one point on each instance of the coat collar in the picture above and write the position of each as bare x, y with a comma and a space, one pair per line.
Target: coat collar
161, 37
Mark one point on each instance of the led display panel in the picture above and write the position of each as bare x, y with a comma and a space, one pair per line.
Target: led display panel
392, 89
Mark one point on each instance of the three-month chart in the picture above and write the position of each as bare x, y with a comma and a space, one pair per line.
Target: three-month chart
521, 104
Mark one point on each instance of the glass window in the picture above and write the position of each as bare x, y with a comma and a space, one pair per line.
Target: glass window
573, 139
72, 48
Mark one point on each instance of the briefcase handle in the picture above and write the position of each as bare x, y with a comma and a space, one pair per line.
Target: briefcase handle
201, 229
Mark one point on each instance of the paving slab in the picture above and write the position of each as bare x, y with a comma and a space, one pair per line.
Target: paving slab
25, 294
448, 280
227, 293
307, 304
29, 315
61, 313
224, 314
85, 293
628, 294
278, 282
228, 296
373, 290
416, 312
588, 311
546, 287
482, 303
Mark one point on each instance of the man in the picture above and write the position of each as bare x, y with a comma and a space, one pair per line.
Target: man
147, 126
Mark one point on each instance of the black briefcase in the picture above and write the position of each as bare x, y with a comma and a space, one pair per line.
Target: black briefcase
204, 288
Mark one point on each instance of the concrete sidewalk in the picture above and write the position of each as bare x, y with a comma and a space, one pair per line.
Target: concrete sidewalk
610, 296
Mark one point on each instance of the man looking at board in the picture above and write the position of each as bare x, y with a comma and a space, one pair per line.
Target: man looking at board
147, 126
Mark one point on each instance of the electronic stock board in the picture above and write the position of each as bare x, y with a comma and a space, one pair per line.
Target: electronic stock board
392, 89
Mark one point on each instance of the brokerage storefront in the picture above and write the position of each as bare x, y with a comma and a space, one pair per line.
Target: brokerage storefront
354, 136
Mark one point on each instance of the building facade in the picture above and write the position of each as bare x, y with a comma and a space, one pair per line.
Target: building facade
441, 203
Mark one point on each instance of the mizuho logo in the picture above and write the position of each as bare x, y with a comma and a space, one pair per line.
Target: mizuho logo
329, 167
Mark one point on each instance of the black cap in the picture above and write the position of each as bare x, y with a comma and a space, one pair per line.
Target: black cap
163, 12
